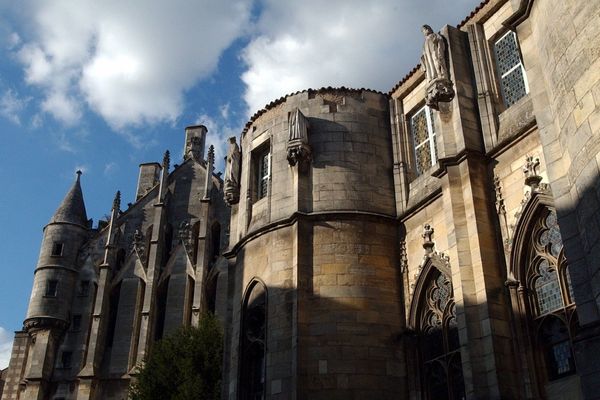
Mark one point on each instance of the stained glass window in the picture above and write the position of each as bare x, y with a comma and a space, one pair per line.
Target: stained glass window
422, 128
547, 289
253, 339
439, 343
510, 68
559, 356
552, 294
263, 173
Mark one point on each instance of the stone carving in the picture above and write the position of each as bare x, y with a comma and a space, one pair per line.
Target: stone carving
403, 257
138, 244
298, 149
433, 61
166, 161
427, 239
532, 178
185, 236
31, 325
193, 148
440, 260
117, 201
232, 173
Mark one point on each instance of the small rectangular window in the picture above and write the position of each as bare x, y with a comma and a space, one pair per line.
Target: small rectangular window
263, 173
513, 80
84, 288
51, 287
76, 323
423, 135
57, 249
65, 359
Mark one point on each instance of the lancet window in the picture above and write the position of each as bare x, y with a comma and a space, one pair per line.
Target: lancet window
438, 340
423, 134
551, 298
513, 80
253, 343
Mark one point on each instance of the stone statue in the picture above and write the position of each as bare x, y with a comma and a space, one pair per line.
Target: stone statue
433, 62
232, 173
298, 149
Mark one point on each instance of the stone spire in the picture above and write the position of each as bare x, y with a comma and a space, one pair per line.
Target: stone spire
72, 208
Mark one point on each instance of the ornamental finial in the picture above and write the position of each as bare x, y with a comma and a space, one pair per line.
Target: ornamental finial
166, 160
117, 201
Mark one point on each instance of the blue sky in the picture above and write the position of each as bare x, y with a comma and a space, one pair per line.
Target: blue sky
104, 86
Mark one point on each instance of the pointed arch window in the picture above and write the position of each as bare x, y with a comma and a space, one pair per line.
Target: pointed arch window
253, 343
551, 302
439, 346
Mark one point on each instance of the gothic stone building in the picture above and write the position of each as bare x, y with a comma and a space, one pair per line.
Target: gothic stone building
439, 241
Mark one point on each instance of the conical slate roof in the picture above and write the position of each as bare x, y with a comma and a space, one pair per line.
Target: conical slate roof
72, 208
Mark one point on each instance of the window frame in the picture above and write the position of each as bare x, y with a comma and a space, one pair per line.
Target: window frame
51, 284
260, 177
431, 138
58, 249
566, 312
493, 44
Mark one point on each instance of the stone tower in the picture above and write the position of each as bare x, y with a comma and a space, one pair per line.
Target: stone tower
313, 244
55, 283
103, 295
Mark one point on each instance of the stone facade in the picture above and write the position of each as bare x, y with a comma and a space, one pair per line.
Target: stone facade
377, 247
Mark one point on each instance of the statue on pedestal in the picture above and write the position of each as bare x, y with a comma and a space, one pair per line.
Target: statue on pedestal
298, 149
433, 62
232, 173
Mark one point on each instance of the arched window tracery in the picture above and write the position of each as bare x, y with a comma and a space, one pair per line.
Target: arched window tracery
439, 345
544, 310
551, 303
253, 343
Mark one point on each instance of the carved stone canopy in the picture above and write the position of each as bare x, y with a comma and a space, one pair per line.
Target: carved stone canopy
298, 150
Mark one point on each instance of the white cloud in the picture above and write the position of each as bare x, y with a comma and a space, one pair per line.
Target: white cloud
6, 342
130, 62
110, 168
11, 106
224, 111
314, 43
13, 40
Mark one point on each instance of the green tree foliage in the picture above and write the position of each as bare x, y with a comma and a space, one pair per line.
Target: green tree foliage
183, 365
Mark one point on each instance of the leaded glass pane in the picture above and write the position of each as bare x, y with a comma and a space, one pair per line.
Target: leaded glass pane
507, 53
263, 188
423, 154
419, 127
510, 69
562, 357
263, 175
552, 236
513, 86
423, 139
545, 238
559, 355
441, 292
547, 289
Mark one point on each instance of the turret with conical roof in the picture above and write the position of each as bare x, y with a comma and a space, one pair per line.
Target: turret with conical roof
55, 282
72, 208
